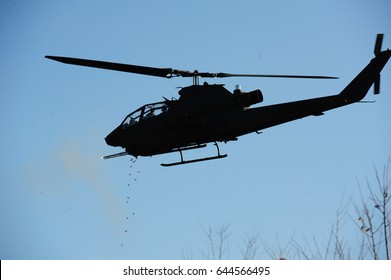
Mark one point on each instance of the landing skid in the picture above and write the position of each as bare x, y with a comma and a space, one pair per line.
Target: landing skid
194, 160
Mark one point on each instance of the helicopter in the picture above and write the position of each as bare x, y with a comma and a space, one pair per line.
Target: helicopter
209, 113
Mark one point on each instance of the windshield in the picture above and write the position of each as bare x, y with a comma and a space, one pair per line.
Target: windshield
145, 112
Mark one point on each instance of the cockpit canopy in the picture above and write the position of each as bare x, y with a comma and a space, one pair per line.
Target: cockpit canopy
145, 112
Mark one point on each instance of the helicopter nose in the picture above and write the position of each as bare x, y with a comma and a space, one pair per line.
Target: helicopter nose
114, 138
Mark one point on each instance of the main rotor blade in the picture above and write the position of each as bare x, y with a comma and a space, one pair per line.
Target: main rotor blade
144, 70
228, 75
166, 72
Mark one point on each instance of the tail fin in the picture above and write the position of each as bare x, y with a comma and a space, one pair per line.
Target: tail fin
370, 75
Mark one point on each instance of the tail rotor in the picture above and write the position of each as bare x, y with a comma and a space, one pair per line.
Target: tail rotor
378, 44
377, 50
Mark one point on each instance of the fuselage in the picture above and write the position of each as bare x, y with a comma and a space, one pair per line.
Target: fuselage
210, 113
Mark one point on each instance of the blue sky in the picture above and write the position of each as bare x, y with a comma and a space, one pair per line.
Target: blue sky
59, 200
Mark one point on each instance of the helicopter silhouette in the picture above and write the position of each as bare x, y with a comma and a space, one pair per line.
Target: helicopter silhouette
206, 113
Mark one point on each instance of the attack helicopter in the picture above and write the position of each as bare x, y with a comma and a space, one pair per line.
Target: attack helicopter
209, 113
